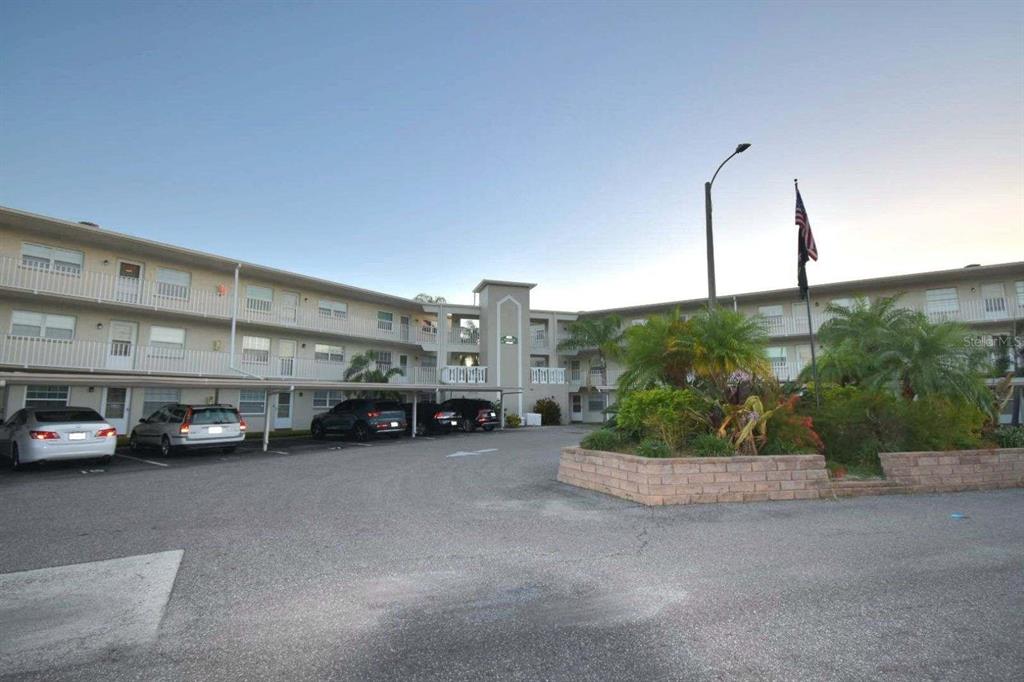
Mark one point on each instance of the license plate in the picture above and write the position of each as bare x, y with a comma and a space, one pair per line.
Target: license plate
455, 423
215, 429
394, 425
77, 435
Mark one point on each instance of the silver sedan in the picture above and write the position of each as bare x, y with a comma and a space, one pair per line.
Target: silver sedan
39, 434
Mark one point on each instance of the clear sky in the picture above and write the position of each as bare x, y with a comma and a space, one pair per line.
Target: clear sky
412, 147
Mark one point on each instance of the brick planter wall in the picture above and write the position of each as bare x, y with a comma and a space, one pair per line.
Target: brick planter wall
955, 469
687, 480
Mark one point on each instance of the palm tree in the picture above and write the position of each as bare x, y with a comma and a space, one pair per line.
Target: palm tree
427, 298
363, 369
726, 341
601, 334
658, 352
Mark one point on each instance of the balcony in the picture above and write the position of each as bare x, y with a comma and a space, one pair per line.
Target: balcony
539, 340
464, 336
120, 356
597, 377
144, 294
547, 375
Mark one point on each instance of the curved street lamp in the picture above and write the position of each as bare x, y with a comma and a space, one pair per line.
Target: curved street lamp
712, 299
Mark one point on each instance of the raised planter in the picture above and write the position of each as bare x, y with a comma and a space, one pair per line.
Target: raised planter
689, 480
955, 470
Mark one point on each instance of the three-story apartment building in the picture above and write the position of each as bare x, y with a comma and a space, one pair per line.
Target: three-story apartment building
122, 324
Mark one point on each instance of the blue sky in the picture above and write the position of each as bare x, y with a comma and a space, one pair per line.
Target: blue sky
412, 147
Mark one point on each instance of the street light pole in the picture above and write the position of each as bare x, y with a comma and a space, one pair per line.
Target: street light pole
712, 297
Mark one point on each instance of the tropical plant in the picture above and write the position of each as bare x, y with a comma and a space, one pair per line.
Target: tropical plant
512, 420
878, 345
600, 334
726, 341
364, 369
427, 298
746, 425
659, 352
550, 411
710, 445
1010, 436
671, 414
654, 448
606, 439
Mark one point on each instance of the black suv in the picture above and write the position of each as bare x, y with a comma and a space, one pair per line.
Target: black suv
472, 413
431, 418
362, 418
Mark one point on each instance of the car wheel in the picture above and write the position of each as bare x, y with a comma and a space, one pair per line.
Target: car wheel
229, 449
361, 432
489, 428
317, 431
15, 457
107, 459
421, 430
133, 443
165, 447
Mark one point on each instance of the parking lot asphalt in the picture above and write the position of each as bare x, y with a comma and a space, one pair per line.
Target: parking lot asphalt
461, 557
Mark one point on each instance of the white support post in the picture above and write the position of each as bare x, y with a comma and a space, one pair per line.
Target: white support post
234, 316
266, 420
415, 401
501, 401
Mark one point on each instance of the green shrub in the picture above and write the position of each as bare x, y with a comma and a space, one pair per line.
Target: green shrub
606, 439
856, 424
710, 445
1010, 436
652, 447
512, 420
550, 411
941, 424
670, 414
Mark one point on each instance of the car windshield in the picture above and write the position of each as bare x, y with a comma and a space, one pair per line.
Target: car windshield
214, 415
68, 415
388, 405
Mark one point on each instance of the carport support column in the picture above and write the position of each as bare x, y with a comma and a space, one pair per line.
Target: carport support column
266, 421
415, 401
501, 401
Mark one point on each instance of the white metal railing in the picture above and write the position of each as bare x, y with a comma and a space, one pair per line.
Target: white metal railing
539, 340
123, 356
547, 375
107, 288
458, 374
464, 336
597, 376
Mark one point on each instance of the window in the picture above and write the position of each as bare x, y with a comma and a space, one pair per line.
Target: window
173, 283
259, 299
155, 398
324, 352
638, 322
325, 400
941, 301
167, 342
252, 402
382, 358
595, 403
1020, 293
776, 355
385, 321
773, 318
844, 302
538, 361
46, 396
42, 325
333, 309
256, 349
43, 257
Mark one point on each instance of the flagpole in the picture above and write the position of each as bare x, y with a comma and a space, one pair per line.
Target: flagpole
810, 330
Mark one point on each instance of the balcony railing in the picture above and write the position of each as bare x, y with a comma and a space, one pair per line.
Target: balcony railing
106, 288
597, 377
547, 375
123, 356
539, 340
464, 336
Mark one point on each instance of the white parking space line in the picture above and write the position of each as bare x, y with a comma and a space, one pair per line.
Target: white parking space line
472, 452
137, 459
365, 445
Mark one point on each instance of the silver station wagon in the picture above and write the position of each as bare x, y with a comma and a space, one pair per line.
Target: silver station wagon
179, 427
46, 434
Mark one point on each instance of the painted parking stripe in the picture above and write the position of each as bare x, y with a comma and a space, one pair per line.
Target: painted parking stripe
147, 461
472, 453
365, 445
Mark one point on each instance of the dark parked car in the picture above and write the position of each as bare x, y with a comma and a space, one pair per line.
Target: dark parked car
362, 418
431, 418
473, 414
177, 427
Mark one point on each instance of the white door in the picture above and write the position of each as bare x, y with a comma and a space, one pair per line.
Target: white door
286, 357
404, 321
116, 402
283, 416
289, 306
129, 281
577, 407
994, 299
121, 349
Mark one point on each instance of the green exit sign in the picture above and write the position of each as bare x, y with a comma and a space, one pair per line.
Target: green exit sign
509, 340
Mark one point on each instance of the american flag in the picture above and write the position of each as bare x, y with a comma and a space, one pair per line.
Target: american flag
808, 249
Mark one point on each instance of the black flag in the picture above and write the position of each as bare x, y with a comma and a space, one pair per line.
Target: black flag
805, 246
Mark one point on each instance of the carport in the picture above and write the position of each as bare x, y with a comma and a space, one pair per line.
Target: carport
273, 387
